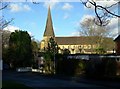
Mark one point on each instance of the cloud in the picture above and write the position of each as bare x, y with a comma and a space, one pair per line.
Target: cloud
30, 33
113, 25
51, 3
75, 33
66, 16
16, 7
105, 3
67, 6
13, 28
33, 24
26, 7
85, 19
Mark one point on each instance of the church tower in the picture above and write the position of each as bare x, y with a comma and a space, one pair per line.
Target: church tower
49, 32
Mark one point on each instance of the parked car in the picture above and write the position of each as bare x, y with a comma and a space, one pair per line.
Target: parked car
24, 69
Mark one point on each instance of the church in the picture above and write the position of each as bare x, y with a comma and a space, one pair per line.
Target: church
75, 44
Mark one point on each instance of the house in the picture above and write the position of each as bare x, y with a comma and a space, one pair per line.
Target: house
117, 45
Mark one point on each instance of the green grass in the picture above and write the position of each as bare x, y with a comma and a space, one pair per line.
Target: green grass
13, 85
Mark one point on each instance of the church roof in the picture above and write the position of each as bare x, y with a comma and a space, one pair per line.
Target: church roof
83, 40
71, 40
49, 26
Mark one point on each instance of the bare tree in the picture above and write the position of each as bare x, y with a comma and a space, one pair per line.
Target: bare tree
4, 35
3, 22
97, 34
3, 6
104, 17
92, 29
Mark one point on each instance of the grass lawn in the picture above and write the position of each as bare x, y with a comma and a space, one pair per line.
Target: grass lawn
13, 85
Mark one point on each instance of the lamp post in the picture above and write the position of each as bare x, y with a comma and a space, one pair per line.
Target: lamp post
54, 61
55, 51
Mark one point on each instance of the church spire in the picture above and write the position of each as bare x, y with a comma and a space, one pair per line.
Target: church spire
49, 26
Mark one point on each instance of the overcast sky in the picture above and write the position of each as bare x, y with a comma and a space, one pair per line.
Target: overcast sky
66, 17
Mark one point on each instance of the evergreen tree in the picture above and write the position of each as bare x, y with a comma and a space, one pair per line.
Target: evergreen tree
20, 49
49, 56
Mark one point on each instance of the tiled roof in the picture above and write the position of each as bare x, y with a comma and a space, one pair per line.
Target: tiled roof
78, 40
117, 39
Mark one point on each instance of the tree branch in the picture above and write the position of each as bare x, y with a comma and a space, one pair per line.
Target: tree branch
3, 7
106, 12
5, 23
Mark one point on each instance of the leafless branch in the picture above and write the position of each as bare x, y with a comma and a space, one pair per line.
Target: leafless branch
112, 5
34, 1
3, 7
106, 13
4, 23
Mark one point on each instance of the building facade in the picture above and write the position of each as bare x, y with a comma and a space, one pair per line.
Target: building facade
117, 45
75, 44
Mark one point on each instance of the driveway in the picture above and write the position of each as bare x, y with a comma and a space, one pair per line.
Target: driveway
36, 80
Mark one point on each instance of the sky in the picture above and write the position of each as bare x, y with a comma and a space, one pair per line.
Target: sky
66, 17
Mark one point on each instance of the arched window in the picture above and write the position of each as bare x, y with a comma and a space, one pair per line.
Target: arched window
63, 47
68, 47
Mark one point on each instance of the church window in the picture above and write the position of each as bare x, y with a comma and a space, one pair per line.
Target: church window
89, 46
68, 47
73, 47
63, 47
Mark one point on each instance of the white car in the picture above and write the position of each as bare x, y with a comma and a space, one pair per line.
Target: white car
24, 69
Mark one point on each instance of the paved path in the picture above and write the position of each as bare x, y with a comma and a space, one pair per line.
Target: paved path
36, 80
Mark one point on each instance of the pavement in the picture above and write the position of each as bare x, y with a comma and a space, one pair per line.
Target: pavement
37, 80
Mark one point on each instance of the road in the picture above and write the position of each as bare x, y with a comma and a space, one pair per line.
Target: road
36, 80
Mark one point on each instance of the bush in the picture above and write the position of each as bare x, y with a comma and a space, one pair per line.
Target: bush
111, 67
105, 67
70, 67
96, 68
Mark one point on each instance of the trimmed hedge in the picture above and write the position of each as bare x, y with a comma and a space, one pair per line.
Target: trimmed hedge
70, 67
92, 68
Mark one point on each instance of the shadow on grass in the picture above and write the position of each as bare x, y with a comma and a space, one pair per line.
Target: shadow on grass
13, 85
